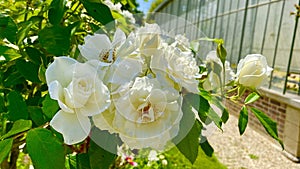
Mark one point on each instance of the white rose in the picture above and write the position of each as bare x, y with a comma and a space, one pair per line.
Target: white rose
80, 94
147, 115
182, 43
180, 66
116, 57
99, 47
253, 71
148, 39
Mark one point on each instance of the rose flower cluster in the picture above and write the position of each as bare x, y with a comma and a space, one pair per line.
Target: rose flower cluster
131, 86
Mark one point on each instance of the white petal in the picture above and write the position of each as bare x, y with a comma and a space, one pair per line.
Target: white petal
98, 101
94, 45
125, 109
56, 92
61, 70
104, 120
128, 46
64, 107
132, 67
84, 70
74, 127
119, 38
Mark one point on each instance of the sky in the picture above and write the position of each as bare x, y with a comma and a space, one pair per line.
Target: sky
144, 6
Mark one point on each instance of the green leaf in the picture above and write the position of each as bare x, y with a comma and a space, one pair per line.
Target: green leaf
243, 120
106, 140
36, 114
9, 53
50, 106
5, 147
204, 109
251, 98
23, 32
187, 120
44, 149
225, 113
17, 108
13, 79
212, 115
78, 161
18, 127
269, 125
205, 94
199, 103
34, 55
99, 157
55, 39
99, 12
56, 11
206, 147
188, 146
28, 69
218, 102
8, 28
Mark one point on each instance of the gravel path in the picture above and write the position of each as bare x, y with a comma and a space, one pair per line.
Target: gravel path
250, 151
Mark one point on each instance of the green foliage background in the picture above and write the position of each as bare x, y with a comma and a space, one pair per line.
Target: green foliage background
32, 33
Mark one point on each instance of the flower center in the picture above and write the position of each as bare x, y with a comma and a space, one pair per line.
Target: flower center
108, 56
146, 114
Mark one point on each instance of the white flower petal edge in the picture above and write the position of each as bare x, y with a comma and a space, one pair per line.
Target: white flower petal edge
56, 93
63, 67
74, 127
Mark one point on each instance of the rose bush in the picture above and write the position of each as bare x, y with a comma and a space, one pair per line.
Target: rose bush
139, 87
